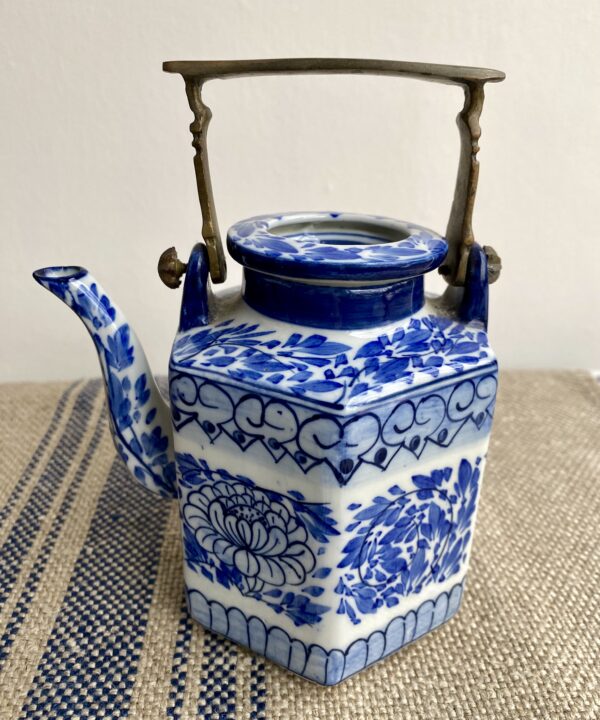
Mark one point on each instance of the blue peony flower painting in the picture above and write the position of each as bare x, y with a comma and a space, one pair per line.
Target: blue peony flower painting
263, 539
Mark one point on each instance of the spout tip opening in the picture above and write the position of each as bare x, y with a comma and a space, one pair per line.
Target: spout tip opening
59, 273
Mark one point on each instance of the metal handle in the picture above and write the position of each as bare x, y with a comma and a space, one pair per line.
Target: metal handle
459, 232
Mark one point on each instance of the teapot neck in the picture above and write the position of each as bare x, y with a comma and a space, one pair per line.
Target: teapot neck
333, 306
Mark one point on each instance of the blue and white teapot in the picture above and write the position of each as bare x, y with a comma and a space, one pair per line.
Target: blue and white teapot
328, 423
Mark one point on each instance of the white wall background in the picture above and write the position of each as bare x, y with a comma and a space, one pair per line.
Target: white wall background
96, 162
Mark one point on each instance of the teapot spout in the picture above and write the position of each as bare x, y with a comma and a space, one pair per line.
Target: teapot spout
140, 418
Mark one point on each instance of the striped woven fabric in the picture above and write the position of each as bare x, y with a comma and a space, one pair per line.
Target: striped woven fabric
93, 623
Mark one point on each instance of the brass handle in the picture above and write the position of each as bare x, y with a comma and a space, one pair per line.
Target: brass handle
459, 232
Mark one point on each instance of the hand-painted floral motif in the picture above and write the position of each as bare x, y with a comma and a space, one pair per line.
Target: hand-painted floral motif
313, 366
137, 411
406, 540
259, 541
329, 244
259, 537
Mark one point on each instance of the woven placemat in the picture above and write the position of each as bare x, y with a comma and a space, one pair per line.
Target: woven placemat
92, 620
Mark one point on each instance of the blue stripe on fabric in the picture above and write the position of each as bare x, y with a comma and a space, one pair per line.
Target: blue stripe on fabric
89, 665
217, 691
179, 666
36, 574
26, 527
17, 491
257, 689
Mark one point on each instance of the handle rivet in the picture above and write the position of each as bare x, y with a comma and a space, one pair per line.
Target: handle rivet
170, 268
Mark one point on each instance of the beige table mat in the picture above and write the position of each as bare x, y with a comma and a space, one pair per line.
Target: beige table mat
92, 623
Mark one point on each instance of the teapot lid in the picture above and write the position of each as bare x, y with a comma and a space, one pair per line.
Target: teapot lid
335, 246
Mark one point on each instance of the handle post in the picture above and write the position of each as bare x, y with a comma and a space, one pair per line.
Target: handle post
459, 231
210, 228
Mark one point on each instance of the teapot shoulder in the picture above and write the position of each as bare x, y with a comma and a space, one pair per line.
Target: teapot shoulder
338, 368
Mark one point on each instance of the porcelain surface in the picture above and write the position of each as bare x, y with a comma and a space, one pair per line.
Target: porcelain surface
333, 245
328, 471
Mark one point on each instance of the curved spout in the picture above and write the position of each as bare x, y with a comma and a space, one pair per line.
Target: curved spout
140, 419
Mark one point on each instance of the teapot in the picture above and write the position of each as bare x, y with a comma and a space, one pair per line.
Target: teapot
328, 421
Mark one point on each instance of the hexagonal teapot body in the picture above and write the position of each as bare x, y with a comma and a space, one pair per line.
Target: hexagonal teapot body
329, 449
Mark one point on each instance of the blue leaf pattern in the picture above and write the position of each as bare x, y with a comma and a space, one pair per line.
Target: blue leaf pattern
420, 249
136, 425
314, 366
407, 540
119, 353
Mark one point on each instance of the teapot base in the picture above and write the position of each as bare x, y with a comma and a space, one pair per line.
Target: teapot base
313, 662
